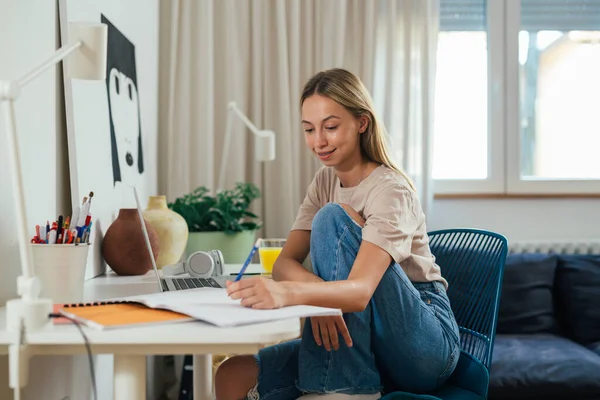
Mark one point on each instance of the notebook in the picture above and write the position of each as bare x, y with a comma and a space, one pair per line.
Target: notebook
107, 315
211, 305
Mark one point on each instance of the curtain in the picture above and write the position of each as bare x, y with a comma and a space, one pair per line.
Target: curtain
259, 53
404, 85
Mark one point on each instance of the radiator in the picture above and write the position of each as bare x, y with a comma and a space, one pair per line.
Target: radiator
591, 246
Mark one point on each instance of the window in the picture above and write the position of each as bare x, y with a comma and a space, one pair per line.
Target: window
463, 56
560, 99
517, 102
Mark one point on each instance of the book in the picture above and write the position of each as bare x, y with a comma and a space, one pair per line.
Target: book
210, 305
107, 315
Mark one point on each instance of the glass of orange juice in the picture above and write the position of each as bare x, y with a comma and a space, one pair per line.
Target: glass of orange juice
268, 251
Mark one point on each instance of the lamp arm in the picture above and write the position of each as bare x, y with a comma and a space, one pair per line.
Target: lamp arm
250, 125
18, 193
231, 111
9, 92
57, 57
226, 144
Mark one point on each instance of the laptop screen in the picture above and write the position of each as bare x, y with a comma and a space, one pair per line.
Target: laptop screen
147, 238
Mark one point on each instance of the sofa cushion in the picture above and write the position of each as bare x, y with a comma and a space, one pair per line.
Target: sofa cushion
595, 347
578, 297
543, 366
526, 303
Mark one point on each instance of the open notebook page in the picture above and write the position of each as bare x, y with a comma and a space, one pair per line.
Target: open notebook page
214, 306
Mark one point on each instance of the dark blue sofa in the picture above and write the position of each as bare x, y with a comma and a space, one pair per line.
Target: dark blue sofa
548, 335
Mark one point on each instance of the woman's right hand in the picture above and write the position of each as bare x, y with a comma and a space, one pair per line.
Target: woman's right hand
326, 331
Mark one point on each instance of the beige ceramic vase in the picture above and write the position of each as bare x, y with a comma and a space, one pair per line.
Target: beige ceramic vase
171, 228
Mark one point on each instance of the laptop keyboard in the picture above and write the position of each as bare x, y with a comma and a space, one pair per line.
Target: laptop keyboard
192, 283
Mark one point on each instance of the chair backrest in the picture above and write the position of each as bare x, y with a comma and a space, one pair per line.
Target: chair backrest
472, 261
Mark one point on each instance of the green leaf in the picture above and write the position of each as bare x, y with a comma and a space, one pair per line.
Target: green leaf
227, 211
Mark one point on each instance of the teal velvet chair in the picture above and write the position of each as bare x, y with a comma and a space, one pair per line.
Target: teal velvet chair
472, 261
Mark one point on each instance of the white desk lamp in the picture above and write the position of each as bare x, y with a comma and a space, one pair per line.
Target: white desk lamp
87, 47
264, 141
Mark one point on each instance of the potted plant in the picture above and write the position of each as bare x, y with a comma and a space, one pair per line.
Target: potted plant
220, 222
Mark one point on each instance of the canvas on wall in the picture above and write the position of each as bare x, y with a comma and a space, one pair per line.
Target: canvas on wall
112, 125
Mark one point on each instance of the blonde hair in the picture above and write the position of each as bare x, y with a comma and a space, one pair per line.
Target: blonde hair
347, 89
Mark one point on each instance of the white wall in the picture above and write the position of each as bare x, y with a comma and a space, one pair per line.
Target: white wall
521, 219
26, 39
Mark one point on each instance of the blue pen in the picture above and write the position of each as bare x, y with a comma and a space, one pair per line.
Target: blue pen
248, 260
86, 233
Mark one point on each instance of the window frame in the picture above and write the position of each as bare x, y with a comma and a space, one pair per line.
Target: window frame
515, 184
503, 22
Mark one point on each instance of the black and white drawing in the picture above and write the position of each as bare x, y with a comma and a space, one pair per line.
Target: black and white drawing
112, 129
123, 101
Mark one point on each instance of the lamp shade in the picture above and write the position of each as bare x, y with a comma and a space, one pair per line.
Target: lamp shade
264, 146
89, 61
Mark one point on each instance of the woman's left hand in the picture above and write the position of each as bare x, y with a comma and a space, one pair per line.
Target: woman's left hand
260, 293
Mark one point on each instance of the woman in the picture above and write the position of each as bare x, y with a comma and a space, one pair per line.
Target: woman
365, 230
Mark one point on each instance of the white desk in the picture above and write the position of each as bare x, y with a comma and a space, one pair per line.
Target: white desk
131, 346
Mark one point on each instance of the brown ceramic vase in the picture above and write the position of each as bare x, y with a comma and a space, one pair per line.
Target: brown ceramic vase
124, 247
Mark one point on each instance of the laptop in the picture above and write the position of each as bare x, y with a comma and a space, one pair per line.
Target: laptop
172, 283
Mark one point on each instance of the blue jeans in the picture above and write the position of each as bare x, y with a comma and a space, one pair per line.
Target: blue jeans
405, 339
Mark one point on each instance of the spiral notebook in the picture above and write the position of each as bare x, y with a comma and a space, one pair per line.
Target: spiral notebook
209, 305
116, 314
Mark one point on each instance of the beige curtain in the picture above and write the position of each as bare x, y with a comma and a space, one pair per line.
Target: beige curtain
259, 53
404, 85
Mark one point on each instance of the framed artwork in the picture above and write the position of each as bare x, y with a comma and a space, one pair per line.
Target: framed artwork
112, 124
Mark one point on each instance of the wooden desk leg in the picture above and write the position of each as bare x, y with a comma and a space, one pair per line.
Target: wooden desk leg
203, 384
130, 377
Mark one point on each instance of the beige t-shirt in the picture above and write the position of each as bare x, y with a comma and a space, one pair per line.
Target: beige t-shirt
394, 219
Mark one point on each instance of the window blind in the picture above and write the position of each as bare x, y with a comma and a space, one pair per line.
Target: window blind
462, 15
560, 15
536, 15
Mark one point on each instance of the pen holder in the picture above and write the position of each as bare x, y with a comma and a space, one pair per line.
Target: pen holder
61, 270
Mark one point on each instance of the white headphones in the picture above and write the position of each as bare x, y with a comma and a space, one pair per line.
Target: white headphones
200, 264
